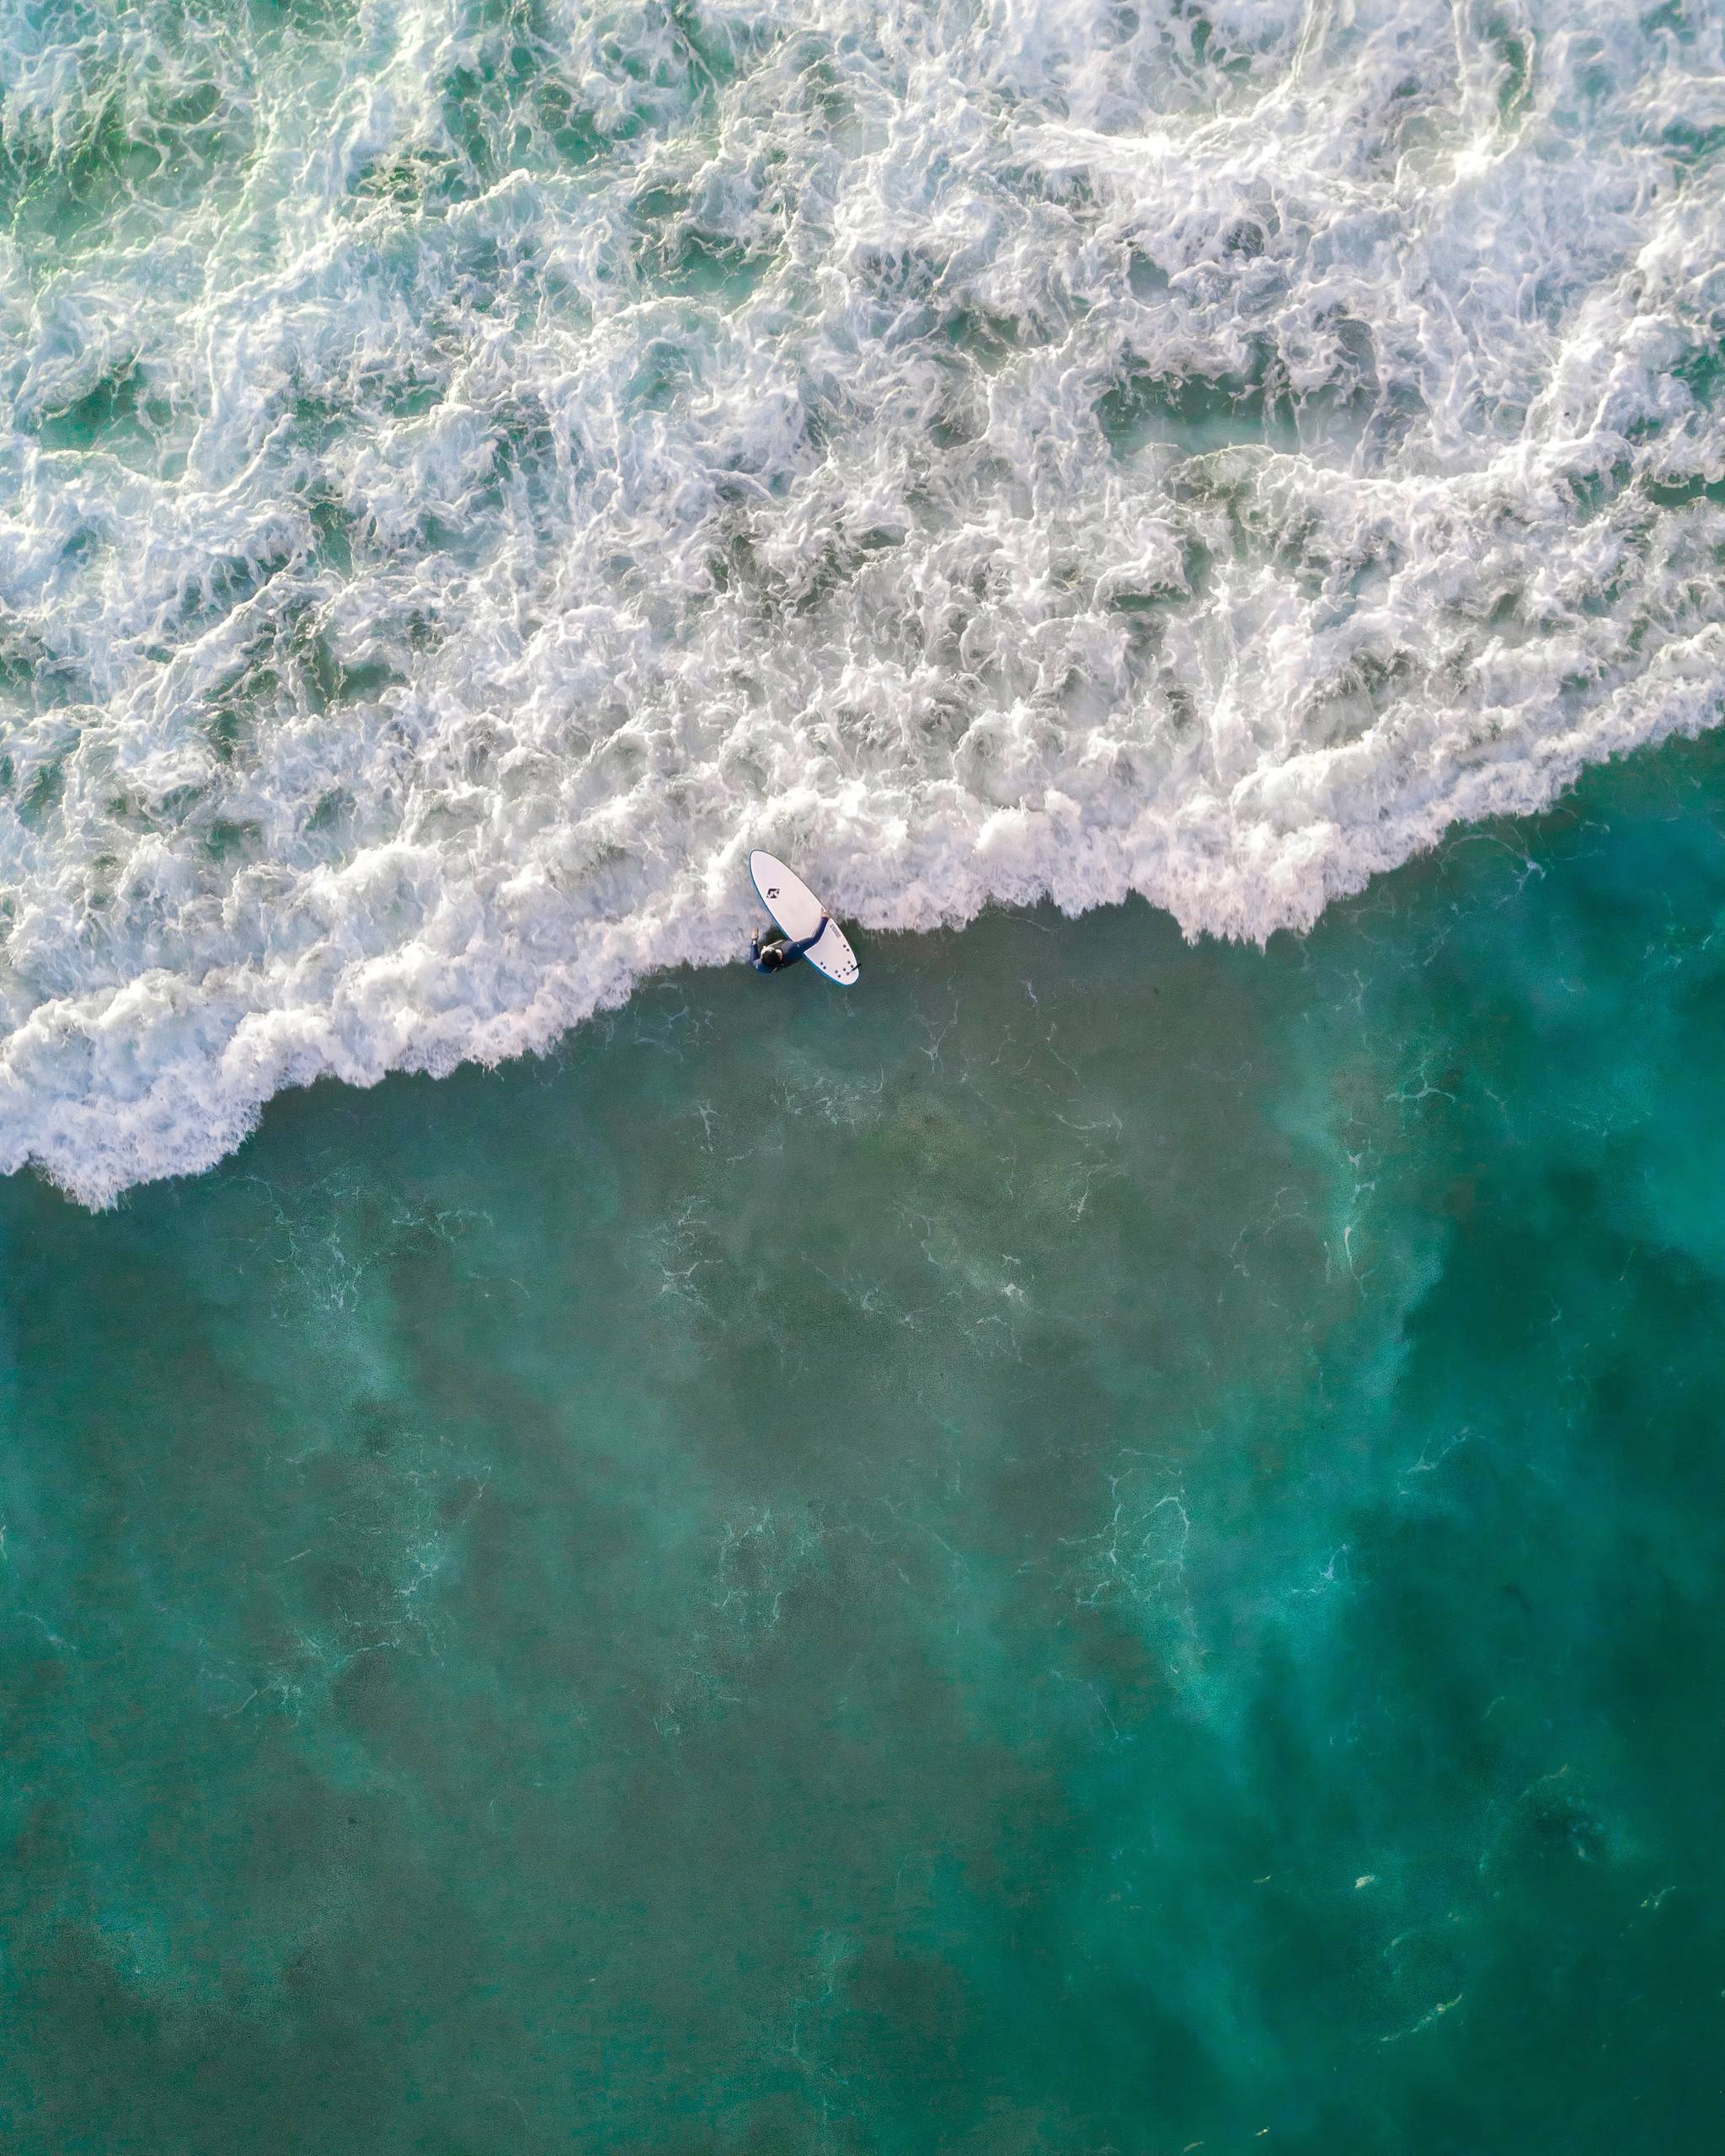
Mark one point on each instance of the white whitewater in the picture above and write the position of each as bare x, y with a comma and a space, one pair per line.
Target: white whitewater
468, 472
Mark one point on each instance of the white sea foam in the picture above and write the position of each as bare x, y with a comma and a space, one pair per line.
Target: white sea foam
469, 472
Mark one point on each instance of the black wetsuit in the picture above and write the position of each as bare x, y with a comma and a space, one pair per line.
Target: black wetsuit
773, 958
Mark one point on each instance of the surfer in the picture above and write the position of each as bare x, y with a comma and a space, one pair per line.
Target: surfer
774, 957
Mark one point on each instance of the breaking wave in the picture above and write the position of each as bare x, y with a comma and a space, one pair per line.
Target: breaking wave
469, 470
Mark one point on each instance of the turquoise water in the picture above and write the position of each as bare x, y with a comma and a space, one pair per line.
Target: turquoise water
1108, 1546
1100, 1544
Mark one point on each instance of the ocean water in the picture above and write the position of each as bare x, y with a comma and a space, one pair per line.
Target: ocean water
1099, 1546
471, 468
1112, 1543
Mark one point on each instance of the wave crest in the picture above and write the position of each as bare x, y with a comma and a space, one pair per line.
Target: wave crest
473, 471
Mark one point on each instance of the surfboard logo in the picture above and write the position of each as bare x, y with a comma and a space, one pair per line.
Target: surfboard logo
773, 893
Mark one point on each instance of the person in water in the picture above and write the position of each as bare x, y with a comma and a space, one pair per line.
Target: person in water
774, 957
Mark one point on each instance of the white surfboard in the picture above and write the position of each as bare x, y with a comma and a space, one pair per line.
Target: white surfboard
798, 911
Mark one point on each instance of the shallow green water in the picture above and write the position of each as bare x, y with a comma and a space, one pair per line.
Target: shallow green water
1100, 1546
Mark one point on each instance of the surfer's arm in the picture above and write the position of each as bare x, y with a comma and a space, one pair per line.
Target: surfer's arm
793, 951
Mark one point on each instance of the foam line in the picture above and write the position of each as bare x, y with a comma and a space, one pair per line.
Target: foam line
468, 474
